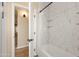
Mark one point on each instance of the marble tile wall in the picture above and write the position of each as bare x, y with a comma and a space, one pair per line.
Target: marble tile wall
64, 28
59, 26
42, 27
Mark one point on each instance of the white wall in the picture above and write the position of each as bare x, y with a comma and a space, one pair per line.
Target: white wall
6, 30
59, 26
0, 29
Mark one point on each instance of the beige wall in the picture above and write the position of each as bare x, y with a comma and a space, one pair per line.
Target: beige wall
23, 3
22, 29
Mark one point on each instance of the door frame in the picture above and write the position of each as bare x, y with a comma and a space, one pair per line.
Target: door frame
32, 30
14, 5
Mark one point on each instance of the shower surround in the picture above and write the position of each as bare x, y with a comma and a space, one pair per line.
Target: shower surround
58, 26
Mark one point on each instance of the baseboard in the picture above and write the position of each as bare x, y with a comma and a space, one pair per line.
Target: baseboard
22, 47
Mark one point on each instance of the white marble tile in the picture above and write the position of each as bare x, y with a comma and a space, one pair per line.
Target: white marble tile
59, 25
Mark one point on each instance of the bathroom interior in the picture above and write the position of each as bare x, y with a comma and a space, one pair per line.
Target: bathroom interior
47, 29
57, 31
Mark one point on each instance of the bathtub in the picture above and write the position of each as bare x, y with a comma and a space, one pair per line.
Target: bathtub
53, 51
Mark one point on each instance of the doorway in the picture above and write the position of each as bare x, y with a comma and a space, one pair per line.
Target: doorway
21, 31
